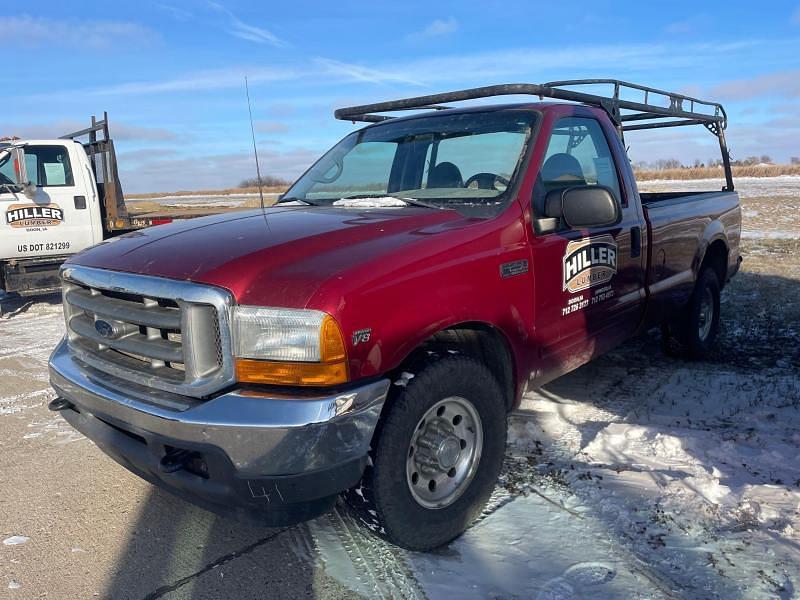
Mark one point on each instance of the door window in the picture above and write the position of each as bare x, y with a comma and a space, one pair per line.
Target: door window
577, 154
48, 166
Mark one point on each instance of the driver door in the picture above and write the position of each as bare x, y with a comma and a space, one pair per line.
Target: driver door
589, 282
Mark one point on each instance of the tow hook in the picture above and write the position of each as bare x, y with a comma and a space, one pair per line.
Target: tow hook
60, 404
174, 461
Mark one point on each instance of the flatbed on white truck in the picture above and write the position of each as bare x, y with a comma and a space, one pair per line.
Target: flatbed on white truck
58, 197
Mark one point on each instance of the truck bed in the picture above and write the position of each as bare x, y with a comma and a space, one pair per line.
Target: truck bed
678, 225
652, 198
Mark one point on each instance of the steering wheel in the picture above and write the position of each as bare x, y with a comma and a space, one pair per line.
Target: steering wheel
488, 181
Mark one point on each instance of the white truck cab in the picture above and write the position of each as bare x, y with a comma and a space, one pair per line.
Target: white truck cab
58, 197
60, 213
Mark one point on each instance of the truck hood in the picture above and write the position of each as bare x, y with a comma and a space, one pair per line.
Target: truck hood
278, 256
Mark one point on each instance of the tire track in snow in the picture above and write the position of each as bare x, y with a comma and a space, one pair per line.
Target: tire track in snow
359, 559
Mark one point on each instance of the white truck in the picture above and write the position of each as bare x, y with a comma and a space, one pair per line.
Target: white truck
58, 197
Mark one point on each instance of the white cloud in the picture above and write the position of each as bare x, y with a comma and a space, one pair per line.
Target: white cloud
31, 32
437, 28
244, 31
463, 70
177, 13
533, 64
215, 79
156, 171
365, 74
785, 84
121, 131
271, 127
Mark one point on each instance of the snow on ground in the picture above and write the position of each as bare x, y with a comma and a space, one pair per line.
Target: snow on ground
205, 200
699, 472
748, 187
770, 205
29, 329
749, 234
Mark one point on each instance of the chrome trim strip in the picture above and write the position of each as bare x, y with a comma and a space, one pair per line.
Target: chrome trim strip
188, 295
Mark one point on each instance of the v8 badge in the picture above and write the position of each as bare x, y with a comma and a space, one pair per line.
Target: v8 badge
361, 336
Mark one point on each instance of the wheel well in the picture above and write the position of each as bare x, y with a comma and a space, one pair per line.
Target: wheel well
478, 340
717, 258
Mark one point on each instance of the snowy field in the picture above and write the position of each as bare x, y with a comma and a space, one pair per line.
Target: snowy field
636, 476
748, 187
770, 205
205, 201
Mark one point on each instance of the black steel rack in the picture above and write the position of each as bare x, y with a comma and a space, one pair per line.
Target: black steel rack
103, 158
651, 108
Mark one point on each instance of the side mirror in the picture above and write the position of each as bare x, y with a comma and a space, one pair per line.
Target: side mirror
21, 172
588, 206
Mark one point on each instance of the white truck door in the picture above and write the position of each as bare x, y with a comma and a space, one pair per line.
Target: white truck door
62, 218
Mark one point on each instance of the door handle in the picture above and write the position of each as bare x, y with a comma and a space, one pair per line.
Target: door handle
80, 202
636, 241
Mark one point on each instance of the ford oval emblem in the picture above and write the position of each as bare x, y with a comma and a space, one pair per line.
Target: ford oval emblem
104, 328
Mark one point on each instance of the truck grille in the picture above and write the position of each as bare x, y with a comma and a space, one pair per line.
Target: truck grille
164, 334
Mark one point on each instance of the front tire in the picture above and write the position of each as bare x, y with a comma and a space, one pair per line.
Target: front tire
437, 455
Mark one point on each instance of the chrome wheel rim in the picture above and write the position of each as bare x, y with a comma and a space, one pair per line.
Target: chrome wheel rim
444, 452
706, 315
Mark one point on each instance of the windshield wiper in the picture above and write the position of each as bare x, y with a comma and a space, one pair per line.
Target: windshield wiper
412, 201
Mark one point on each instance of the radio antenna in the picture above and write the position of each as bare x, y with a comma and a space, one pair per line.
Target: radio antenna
255, 148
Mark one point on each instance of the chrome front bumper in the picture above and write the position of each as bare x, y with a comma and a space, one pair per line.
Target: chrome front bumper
294, 447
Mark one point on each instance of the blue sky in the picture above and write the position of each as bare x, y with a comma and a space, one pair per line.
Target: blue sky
170, 73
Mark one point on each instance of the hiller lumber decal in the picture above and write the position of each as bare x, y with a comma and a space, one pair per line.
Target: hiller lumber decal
589, 262
32, 215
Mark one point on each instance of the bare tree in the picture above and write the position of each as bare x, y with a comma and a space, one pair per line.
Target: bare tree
266, 180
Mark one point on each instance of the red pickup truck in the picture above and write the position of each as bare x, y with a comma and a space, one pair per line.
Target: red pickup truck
370, 333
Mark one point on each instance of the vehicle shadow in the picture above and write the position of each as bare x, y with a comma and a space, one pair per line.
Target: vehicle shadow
178, 551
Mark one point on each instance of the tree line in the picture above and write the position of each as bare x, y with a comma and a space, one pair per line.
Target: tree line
266, 181
664, 164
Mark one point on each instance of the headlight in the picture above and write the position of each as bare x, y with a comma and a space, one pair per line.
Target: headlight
288, 347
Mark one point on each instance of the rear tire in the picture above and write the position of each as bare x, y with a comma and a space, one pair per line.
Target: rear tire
693, 333
437, 455
702, 324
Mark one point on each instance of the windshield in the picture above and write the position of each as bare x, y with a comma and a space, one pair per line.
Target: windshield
446, 160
